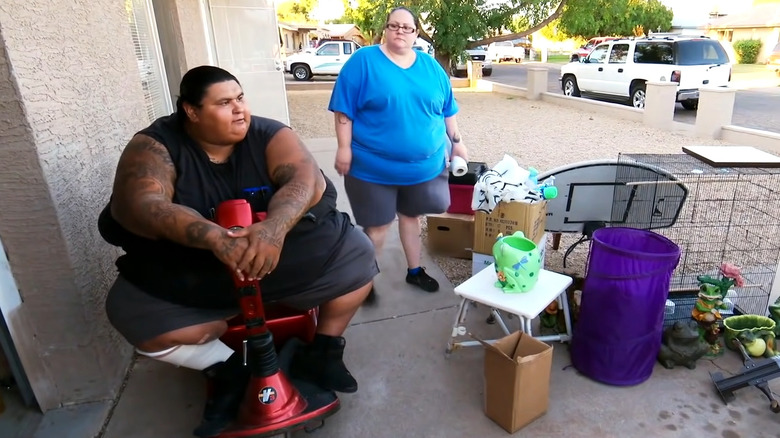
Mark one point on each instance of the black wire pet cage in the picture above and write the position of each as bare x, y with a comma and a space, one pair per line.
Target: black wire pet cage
714, 214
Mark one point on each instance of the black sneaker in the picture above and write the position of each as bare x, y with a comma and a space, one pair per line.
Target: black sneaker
423, 281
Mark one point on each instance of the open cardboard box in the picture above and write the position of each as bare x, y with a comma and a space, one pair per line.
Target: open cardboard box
517, 380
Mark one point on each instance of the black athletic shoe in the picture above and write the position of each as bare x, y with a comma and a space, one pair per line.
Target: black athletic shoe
422, 280
321, 362
229, 381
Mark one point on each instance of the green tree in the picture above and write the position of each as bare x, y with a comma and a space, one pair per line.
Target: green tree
295, 10
452, 26
590, 18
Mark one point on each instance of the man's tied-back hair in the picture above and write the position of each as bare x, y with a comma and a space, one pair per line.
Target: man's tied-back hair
195, 83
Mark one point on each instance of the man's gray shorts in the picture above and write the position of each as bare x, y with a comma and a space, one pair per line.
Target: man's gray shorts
139, 316
374, 205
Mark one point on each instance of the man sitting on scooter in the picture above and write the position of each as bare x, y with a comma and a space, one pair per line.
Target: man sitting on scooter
174, 292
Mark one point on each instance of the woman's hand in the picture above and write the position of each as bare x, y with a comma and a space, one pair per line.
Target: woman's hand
262, 251
343, 160
459, 150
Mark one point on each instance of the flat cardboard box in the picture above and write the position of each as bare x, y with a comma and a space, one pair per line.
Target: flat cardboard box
451, 234
506, 218
517, 380
481, 261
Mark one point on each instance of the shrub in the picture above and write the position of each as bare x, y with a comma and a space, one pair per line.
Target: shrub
747, 51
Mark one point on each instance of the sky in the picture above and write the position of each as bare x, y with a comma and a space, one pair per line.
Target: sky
696, 12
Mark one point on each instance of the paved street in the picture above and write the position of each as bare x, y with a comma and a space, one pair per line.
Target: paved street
755, 108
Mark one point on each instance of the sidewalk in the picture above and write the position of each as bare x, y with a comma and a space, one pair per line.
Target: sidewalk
409, 389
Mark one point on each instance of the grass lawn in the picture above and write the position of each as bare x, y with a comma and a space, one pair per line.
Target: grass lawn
558, 59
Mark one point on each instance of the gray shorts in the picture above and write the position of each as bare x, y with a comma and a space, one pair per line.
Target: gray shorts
139, 316
375, 205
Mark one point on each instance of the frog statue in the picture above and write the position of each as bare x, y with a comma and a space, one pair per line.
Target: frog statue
774, 313
682, 345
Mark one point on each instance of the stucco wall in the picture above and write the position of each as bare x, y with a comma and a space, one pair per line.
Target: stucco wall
70, 98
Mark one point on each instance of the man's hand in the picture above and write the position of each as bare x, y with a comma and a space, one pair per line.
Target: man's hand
264, 242
343, 160
230, 250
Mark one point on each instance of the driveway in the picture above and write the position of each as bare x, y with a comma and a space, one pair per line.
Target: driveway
757, 108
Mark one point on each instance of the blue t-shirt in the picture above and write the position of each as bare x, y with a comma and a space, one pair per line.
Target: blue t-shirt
398, 131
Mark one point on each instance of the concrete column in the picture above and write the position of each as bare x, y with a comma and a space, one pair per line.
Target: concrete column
660, 98
537, 82
544, 54
474, 72
69, 105
716, 106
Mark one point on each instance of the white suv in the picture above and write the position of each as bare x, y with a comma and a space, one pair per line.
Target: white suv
622, 67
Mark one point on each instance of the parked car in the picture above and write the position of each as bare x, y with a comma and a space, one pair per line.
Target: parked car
460, 68
583, 51
327, 59
622, 67
773, 62
505, 51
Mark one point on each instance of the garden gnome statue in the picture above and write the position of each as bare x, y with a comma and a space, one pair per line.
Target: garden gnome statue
710, 302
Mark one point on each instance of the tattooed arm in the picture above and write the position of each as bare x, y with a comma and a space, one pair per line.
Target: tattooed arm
453, 133
300, 185
142, 202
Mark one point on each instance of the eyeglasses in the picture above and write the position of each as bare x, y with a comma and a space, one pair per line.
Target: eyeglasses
403, 28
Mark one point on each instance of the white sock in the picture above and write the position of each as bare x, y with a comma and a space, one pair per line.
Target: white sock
197, 357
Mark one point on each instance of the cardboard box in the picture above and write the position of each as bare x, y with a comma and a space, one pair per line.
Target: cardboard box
451, 234
507, 218
481, 261
517, 380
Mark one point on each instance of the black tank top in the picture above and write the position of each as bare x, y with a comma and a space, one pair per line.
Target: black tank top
195, 277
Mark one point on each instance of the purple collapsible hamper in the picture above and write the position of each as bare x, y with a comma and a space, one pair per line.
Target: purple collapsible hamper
618, 333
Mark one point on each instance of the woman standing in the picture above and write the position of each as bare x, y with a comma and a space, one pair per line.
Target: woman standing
395, 122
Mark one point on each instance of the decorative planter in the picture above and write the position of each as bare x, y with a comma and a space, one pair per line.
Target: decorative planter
760, 327
518, 261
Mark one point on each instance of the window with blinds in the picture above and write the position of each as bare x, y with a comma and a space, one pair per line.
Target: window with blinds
148, 54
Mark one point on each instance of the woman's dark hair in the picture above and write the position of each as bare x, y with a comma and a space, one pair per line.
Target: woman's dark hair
404, 8
195, 83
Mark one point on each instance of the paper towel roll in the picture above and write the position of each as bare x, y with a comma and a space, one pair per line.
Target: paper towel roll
458, 166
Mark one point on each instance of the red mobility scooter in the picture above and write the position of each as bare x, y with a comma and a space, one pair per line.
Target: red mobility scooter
274, 404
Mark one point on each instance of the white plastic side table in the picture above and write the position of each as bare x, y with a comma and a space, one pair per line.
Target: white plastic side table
526, 305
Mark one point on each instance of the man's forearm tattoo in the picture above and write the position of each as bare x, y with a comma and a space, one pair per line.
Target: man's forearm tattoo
455, 138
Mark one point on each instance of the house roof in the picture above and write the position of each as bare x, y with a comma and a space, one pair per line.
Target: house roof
337, 30
765, 15
305, 27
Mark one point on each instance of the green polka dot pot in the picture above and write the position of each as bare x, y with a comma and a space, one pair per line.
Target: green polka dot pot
518, 261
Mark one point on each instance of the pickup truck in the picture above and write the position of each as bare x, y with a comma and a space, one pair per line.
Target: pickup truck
505, 51
327, 59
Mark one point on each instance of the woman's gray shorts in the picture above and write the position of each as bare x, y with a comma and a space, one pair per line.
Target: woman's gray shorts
139, 316
375, 205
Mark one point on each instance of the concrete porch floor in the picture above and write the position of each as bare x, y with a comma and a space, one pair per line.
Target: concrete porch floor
408, 388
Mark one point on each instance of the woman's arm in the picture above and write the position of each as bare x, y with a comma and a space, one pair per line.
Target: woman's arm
458, 148
344, 140
142, 198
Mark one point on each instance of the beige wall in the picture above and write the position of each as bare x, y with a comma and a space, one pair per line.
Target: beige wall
769, 38
70, 99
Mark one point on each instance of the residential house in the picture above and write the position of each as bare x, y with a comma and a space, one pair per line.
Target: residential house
761, 22
296, 37
77, 80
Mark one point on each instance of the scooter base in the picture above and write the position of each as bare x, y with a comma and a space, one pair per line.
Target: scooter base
320, 404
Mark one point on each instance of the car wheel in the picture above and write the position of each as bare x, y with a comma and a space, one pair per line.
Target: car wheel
575, 58
638, 96
690, 104
301, 72
487, 72
570, 87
